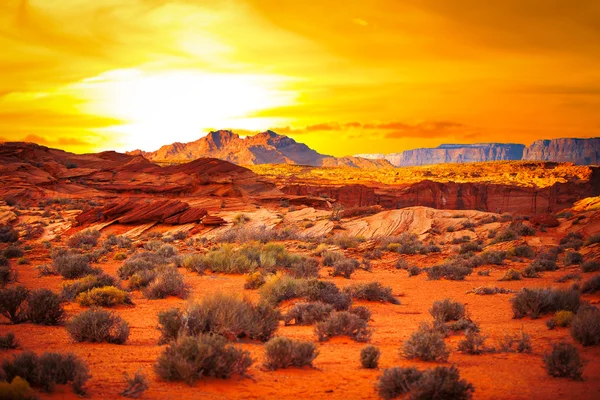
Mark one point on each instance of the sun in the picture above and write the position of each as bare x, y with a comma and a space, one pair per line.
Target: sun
158, 107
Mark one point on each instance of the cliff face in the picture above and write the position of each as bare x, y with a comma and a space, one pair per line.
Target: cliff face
263, 148
578, 151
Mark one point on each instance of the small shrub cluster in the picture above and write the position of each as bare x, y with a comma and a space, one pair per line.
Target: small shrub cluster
520, 343
71, 290
572, 258
84, 239
307, 313
407, 243
7, 274
191, 358
8, 234
8, 341
573, 240
522, 251
486, 290
568, 277
590, 266
592, 285
72, 265
12, 252
106, 296
561, 319
345, 267
511, 275
40, 306
282, 352
223, 315
595, 238
345, 241
136, 385
47, 370
539, 301
280, 287
246, 234
371, 291
426, 344
436, 383
564, 361
97, 325
369, 356
343, 323
254, 280
122, 242
473, 343
585, 326
452, 271
167, 282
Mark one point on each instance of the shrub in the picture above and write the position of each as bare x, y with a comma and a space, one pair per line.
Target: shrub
136, 385
539, 301
590, 241
450, 271
484, 272
330, 257
12, 252
523, 251
561, 318
397, 381
106, 296
44, 307
592, 285
426, 344
567, 277
281, 352
7, 274
564, 361
221, 314
142, 279
168, 282
572, 257
585, 326
369, 356
414, 271
8, 234
573, 240
18, 389
191, 358
47, 370
346, 241
485, 290
72, 265
305, 267
371, 291
361, 311
343, 323
71, 290
281, 287
473, 343
8, 341
441, 383
406, 243
308, 313
97, 325
12, 303
522, 341
194, 262
493, 257
447, 310
86, 238
326, 292
590, 266
254, 280
511, 275
345, 267
506, 235
469, 247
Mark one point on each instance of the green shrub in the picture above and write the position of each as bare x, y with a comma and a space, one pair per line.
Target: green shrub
343, 323
590, 266
85, 238
493, 257
345, 267
371, 291
523, 251
8, 234
191, 358
326, 292
564, 361
447, 310
330, 257
194, 262
281, 352
441, 383
308, 313
12, 303
369, 356
136, 385
426, 344
485, 290
511, 275
72, 265
17, 389
473, 343
304, 267
168, 282
540, 301
585, 326
44, 307
106, 296
449, 271
220, 314
254, 280
394, 382
71, 290
97, 325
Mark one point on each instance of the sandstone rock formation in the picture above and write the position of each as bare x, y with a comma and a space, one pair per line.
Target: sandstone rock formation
578, 151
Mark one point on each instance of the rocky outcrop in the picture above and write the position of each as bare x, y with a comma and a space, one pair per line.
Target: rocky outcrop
454, 153
263, 148
356, 162
577, 151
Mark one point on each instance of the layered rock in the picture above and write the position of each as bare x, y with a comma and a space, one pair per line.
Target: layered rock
577, 151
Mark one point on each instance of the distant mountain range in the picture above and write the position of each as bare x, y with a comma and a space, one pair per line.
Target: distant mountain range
263, 148
271, 148
577, 151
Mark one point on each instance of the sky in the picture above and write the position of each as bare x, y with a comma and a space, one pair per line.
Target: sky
359, 77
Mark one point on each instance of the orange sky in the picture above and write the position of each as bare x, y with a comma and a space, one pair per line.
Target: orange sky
376, 76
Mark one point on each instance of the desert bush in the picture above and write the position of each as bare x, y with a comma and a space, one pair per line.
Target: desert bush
573, 240
441, 383
371, 291
326, 292
590, 266
346, 241
568, 277
122, 242
520, 343
304, 267
473, 343
72, 265
120, 256
539, 301
136, 385
44, 307
281, 287
414, 271
592, 285
493, 257
401, 264
168, 282
85, 238
511, 275
523, 251
12, 303
330, 257
595, 238
394, 382
374, 254
345, 267
486, 290
369, 356
406, 243
282, 352
308, 313
451, 271
7, 274
145, 261
585, 326
47, 370
71, 290
506, 235
220, 314
12, 252
246, 234
564, 361
572, 257
8, 341
142, 279
343, 323
450, 327
97, 325
426, 344
361, 311
470, 247
191, 358
254, 280
194, 262
17, 389
8, 234
561, 318
447, 310
106, 296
